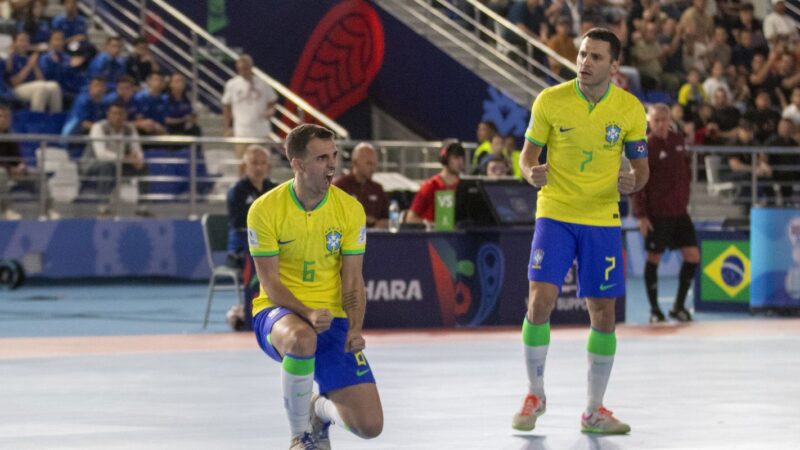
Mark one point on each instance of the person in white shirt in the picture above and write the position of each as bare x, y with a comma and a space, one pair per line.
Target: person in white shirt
247, 105
99, 160
779, 26
792, 112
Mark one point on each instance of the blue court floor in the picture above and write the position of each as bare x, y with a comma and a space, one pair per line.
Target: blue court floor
127, 367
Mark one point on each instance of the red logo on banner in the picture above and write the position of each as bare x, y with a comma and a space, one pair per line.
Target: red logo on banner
455, 298
341, 58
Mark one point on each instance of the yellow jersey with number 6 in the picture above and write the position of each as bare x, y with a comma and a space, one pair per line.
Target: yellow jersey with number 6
585, 143
309, 244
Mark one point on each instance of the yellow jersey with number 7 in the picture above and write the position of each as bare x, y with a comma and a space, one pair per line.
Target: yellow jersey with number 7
309, 244
585, 143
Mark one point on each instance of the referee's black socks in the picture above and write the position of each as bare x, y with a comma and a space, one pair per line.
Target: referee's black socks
651, 284
684, 281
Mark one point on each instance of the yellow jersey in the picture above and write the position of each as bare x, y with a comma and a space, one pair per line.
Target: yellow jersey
309, 244
584, 143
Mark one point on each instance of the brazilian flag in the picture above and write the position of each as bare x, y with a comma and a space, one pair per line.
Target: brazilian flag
725, 275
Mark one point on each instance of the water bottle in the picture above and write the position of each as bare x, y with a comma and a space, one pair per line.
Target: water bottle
394, 216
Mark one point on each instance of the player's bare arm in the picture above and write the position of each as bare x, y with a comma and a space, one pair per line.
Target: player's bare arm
354, 302
534, 173
635, 179
267, 269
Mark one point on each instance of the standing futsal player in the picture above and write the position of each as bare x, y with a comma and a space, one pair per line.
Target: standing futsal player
586, 124
308, 240
661, 208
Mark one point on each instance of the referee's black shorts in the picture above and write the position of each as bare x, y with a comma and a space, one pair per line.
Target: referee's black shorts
670, 233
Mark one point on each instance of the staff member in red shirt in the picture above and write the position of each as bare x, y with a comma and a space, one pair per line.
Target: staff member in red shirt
422, 208
661, 208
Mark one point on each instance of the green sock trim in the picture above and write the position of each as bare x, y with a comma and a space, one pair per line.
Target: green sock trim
535, 335
298, 365
600, 343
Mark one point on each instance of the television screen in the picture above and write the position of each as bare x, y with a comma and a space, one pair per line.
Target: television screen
512, 203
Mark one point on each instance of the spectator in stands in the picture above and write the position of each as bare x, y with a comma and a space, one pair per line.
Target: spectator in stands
87, 109
498, 149
743, 52
100, 158
247, 104
497, 167
35, 24
109, 64
510, 148
152, 105
748, 22
484, 134
779, 26
784, 165
717, 81
142, 62
124, 93
562, 43
57, 65
764, 116
13, 168
671, 44
180, 118
452, 157
27, 80
789, 76
571, 9
647, 54
71, 23
742, 96
241, 195
694, 49
692, 94
740, 164
719, 50
697, 18
726, 117
359, 184
529, 18
792, 111
763, 78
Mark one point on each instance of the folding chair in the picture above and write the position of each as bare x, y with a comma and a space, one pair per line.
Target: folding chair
215, 234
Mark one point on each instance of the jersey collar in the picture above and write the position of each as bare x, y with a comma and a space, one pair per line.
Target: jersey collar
583, 97
297, 200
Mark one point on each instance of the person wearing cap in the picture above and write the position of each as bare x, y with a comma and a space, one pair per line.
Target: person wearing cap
422, 208
778, 26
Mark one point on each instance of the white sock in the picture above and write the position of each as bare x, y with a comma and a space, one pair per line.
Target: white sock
599, 373
535, 358
327, 412
297, 391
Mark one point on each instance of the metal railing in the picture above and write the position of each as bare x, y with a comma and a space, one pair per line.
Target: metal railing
192, 51
756, 184
416, 160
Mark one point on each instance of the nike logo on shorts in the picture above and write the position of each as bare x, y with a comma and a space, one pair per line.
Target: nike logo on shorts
361, 372
605, 287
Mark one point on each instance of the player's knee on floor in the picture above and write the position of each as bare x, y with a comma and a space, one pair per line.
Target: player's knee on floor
369, 428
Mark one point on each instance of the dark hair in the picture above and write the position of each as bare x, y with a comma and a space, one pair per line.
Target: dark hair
492, 126
98, 78
746, 7
139, 40
451, 150
126, 79
113, 38
606, 35
297, 139
117, 104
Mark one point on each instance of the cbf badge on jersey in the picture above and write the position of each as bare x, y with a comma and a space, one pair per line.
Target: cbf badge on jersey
252, 237
613, 132
333, 240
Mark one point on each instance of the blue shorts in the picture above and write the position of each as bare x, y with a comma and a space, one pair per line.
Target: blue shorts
598, 251
334, 368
